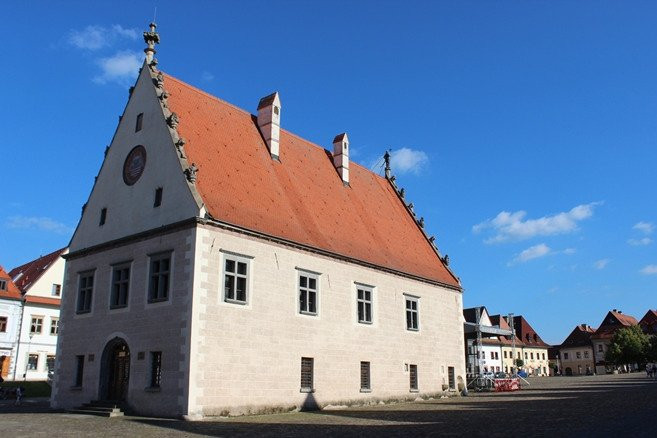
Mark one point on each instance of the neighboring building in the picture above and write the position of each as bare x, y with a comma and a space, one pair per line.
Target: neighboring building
489, 357
10, 316
224, 265
576, 352
508, 345
649, 322
40, 282
613, 321
534, 350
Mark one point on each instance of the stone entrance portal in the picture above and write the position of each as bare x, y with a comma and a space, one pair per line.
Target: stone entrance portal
115, 370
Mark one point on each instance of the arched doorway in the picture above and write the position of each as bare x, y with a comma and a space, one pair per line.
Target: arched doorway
115, 370
569, 371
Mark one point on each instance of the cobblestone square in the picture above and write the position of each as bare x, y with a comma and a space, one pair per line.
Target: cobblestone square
618, 405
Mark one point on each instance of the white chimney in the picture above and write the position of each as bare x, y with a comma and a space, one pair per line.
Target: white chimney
341, 156
269, 122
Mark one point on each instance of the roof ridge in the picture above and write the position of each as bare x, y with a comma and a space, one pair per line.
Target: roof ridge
242, 110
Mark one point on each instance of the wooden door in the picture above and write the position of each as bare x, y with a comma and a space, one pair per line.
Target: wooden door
4, 366
119, 373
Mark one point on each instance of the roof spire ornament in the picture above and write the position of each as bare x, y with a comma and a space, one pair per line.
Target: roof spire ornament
386, 158
151, 38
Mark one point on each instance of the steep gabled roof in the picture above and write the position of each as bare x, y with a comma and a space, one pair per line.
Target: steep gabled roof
614, 320
649, 321
579, 337
300, 199
10, 292
501, 321
470, 314
527, 333
26, 275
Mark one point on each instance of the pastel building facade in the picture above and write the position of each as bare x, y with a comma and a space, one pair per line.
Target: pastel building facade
223, 265
10, 317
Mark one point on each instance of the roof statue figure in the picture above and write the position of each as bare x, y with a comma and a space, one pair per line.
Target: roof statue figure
151, 38
386, 158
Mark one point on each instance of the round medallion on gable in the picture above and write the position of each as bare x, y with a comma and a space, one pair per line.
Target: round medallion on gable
134, 165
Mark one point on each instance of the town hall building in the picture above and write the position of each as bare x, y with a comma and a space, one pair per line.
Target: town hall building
223, 265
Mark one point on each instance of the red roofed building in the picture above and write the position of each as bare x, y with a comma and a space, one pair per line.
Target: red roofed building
40, 284
649, 322
534, 350
613, 321
10, 314
228, 265
576, 352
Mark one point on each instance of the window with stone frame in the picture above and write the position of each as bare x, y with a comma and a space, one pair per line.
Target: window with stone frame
159, 277
32, 362
364, 300
36, 325
365, 384
56, 290
79, 370
565, 356
578, 355
3, 324
85, 291
50, 363
413, 377
156, 369
236, 279
586, 354
307, 371
120, 286
412, 313
54, 326
308, 289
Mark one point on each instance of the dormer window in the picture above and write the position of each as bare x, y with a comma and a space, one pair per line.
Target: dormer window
3, 284
140, 119
103, 217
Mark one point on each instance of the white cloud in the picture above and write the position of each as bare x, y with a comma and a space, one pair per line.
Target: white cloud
97, 37
640, 242
649, 270
407, 160
533, 252
207, 76
644, 227
39, 223
601, 264
513, 226
123, 68
569, 251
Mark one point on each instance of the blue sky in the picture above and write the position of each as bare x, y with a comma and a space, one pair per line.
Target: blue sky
523, 131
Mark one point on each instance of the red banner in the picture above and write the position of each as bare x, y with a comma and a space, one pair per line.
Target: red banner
507, 385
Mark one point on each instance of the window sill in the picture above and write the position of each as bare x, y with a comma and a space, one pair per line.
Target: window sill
301, 312
157, 300
152, 389
231, 301
414, 390
365, 390
307, 390
121, 306
365, 322
412, 329
75, 388
82, 312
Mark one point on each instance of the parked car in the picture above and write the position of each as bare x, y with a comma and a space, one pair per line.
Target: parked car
500, 375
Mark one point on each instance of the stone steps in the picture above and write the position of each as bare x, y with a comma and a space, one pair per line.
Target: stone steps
99, 408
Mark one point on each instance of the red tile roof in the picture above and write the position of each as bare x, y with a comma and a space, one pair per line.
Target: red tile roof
614, 320
31, 271
10, 292
502, 322
528, 335
579, 337
301, 198
42, 300
649, 322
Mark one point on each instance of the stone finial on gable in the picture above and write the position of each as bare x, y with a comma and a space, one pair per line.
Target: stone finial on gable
269, 122
151, 38
341, 156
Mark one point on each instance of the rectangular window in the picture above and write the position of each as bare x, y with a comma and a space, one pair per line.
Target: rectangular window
543, 356
586, 354
160, 273
307, 374
505, 355
54, 326
140, 120
578, 355
50, 363
79, 370
308, 293
565, 356
85, 291
525, 355
450, 377
36, 325
364, 305
412, 315
3, 284
3, 324
56, 290
531, 355
103, 217
365, 376
236, 275
32, 362
158, 197
413, 377
156, 368
120, 286
600, 348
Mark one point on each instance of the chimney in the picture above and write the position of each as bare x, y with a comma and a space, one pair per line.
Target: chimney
269, 122
341, 156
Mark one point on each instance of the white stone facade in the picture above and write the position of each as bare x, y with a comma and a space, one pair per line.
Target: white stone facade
10, 309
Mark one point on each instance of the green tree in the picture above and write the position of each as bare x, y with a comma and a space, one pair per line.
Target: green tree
651, 354
629, 345
520, 363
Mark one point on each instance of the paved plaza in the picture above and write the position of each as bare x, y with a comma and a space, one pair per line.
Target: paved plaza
621, 405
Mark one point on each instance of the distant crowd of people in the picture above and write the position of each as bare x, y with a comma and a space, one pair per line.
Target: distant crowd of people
651, 370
